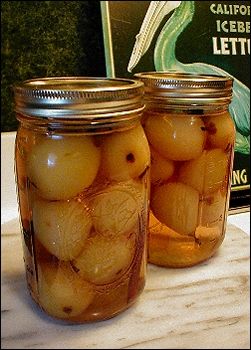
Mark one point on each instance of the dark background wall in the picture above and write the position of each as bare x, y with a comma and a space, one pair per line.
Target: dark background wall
47, 38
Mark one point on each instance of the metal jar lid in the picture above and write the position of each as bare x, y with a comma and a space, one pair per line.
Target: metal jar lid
176, 88
79, 97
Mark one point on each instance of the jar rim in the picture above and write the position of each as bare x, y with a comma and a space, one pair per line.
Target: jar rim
78, 97
174, 87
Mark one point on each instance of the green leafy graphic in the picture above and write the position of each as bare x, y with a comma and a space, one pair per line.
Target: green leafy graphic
165, 59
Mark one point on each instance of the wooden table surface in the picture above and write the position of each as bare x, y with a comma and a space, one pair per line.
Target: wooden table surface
206, 306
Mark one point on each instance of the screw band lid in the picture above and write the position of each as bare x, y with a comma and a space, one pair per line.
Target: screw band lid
79, 97
176, 88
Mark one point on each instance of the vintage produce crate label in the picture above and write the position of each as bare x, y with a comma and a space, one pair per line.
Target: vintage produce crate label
205, 37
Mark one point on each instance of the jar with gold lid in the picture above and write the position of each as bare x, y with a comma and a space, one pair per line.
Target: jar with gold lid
82, 172
191, 136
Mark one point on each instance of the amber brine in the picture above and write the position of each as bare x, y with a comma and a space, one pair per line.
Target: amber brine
191, 136
82, 171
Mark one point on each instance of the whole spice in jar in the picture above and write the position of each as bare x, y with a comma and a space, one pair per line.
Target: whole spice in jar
191, 136
82, 172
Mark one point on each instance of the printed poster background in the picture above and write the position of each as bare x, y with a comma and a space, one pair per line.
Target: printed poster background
194, 44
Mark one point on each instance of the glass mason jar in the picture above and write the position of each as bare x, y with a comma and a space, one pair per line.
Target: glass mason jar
191, 136
82, 171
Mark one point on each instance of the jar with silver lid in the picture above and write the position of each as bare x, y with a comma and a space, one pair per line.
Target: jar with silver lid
82, 172
191, 136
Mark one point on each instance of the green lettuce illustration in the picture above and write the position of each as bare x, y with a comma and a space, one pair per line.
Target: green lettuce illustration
165, 59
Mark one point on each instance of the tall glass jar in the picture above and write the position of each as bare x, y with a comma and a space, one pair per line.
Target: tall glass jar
191, 136
82, 171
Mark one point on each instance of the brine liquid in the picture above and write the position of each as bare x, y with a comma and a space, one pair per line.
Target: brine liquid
83, 203
191, 166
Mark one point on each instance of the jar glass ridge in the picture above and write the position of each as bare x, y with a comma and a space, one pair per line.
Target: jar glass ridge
191, 136
82, 172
